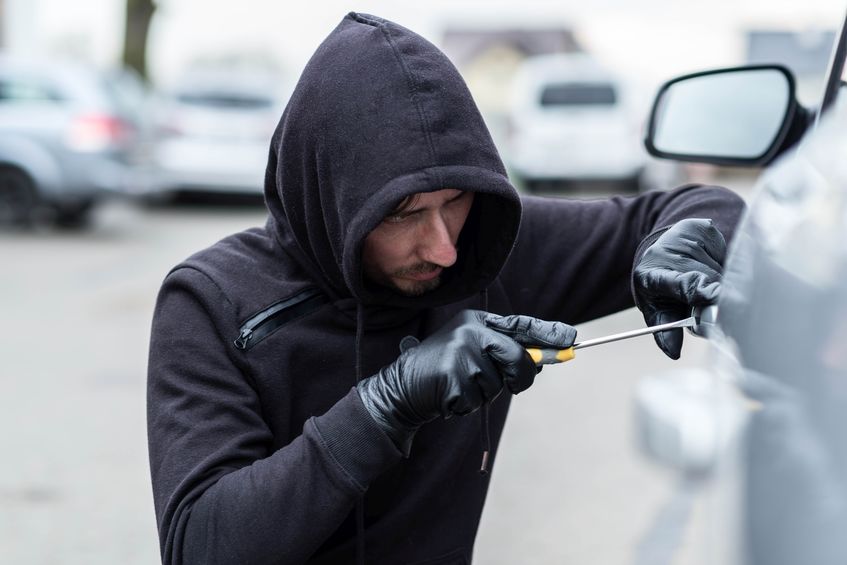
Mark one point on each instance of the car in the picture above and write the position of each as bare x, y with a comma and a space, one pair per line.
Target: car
213, 129
68, 136
572, 119
759, 429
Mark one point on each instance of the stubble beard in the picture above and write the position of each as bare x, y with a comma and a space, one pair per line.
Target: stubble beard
410, 287
417, 288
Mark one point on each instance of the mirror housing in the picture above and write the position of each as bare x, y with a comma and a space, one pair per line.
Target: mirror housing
739, 116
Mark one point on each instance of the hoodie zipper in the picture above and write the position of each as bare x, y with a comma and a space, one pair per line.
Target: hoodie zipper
261, 325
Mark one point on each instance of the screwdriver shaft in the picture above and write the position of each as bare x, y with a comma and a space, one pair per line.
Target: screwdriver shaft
687, 322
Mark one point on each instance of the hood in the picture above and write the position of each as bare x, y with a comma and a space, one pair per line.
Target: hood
380, 113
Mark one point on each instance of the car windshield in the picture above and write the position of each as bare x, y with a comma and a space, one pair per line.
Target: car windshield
575, 94
225, 100
21, 90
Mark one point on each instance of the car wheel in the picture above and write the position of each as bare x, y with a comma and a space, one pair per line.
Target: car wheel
18, 197
73, 216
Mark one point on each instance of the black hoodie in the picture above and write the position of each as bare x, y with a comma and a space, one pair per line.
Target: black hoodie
259, 446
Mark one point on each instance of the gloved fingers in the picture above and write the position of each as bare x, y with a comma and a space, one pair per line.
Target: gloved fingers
710, 239
514, 364
693, 288
698, 235
683, 256
409, 342
471, 377
460, 399
665, 312
488, 377
685, 261
669, 341
479, 381
528, 331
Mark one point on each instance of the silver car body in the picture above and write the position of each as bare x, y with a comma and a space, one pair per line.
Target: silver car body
69, 128
761, 429
782, 358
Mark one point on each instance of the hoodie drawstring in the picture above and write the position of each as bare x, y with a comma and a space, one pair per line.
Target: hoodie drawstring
360, 504
485, 428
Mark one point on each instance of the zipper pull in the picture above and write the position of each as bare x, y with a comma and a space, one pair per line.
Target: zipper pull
243, 338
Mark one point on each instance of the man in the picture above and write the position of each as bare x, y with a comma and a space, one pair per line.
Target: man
285, 424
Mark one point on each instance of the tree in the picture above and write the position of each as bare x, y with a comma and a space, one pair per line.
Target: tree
138, 16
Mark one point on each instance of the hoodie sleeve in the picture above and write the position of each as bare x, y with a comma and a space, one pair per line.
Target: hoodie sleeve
573, 259
222, 493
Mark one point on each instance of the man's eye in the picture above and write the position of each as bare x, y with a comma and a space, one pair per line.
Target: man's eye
464, 196
395, 219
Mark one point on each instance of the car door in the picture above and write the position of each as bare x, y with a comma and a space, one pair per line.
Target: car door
761, 432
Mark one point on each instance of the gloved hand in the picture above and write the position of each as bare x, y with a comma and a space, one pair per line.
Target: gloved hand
458, 368
682, 269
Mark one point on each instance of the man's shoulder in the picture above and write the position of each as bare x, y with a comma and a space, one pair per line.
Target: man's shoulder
253, 247
249, 268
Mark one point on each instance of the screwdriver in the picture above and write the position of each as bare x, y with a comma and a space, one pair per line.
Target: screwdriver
700, 323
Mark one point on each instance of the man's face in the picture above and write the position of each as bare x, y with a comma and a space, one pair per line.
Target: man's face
409, 249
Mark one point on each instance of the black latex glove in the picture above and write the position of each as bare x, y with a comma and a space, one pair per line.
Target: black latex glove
682, 269
458, 368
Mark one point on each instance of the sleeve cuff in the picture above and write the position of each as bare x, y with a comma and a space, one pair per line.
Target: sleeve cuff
354, 442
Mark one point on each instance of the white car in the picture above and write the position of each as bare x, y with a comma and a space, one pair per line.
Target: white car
213, 133
573, 120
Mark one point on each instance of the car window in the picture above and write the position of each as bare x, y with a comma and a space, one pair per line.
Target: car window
125, 91
225, 100
575, 94
21, 91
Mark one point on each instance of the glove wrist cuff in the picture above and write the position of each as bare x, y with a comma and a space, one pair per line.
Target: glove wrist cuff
385, 415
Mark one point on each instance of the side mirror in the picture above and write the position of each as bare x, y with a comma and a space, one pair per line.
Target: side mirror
737, 116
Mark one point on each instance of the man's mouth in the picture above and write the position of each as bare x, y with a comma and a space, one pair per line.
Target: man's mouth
423, 275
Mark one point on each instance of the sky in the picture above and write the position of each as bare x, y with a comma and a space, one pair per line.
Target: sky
652, 39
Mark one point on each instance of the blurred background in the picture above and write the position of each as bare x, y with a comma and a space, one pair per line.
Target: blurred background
135, 132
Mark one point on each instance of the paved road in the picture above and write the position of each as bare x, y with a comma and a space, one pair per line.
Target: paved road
568, 487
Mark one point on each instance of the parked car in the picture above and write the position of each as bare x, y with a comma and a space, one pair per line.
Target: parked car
571, 119
213, 130
68, 135
760, 430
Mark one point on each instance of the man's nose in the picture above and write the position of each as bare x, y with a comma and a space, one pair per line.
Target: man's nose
436, 244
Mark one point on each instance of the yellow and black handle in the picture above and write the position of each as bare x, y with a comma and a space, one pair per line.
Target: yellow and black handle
550, 356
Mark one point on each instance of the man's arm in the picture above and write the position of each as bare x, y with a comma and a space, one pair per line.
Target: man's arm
573, 260
222, 494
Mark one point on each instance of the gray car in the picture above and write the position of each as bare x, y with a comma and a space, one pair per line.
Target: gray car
68, 135
760, 430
